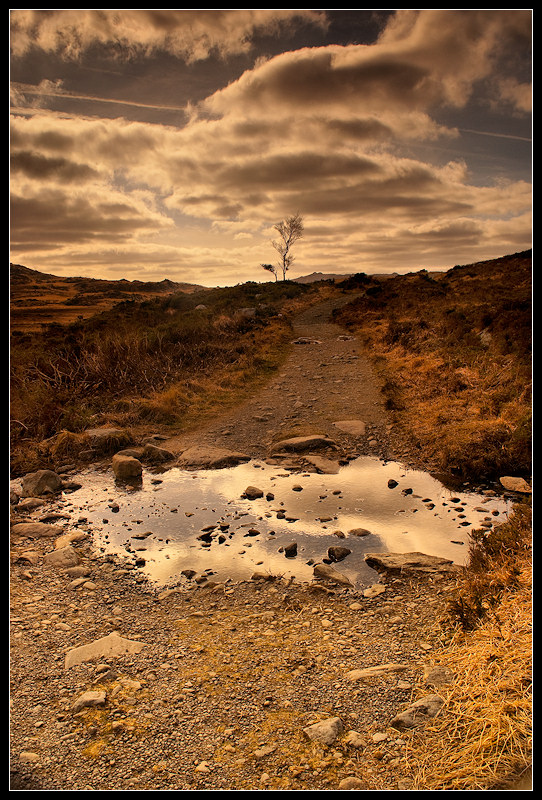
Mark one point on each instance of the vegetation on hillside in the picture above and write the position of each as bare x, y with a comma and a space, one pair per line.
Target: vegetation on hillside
165, 361
454, 354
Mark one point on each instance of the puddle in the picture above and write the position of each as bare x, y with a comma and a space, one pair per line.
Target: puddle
159, 524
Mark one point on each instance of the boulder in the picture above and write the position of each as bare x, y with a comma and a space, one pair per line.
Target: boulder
43, 481
107, 439
375, 672
62, 558
210, 458
156, 455
126, 467
290, 550
355, 427
36, 530
252, 493
90, 699
323, 465
410, 563
515, 484
299, 444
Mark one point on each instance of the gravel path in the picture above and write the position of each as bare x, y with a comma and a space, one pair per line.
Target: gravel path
325, 379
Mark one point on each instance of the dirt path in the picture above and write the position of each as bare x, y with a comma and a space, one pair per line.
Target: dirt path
325, 379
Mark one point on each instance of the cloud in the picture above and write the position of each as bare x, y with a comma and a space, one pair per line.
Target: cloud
324, 131
192, 34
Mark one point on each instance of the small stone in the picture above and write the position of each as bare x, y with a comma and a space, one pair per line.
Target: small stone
90, 699
418, 713
252, 493
325, 731
351, 782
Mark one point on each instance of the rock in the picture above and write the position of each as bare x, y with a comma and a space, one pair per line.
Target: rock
262, 576
359, 532
69, 538
28, 757
29, 557
36, 530
356, 427
409, 562
90, 699
323, 465
106, 647
210, 458
337, 553
326, 731
62, 558
126, 467
43, 481
374, 590
30, 503
328, 573
392, 483
351, 782
156, 455
374, 672
264, 751
437, 676
107, 439
418, 713
252, 493
515, 484
298, 444
290, 550
354, 739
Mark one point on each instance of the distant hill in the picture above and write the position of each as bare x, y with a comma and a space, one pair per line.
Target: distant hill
38, 298
320, 276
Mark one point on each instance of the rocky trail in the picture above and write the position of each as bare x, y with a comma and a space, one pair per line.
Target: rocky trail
324, 382
264, 684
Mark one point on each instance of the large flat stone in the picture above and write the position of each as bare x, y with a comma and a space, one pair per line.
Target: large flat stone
409, 562
300, 444
356, 427
200, 457
106, 647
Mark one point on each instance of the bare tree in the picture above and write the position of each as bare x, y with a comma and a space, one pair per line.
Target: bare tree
270, 268
290, 230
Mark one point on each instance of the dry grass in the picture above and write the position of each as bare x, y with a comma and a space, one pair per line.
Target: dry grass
482, 738
161, 364
454, 356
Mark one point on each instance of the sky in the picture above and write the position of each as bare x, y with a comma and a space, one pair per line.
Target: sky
158, 143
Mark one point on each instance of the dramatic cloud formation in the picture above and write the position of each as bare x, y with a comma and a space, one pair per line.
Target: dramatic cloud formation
405, 144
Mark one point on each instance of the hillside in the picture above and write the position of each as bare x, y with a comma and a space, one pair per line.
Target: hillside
40, 298
453, 351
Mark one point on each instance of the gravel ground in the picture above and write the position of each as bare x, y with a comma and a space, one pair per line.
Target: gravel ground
227, 680
231, 675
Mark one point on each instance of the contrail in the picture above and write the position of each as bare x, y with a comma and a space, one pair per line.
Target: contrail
69, 96
499, 135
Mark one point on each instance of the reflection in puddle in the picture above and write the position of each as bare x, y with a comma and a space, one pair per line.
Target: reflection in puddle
202, 523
